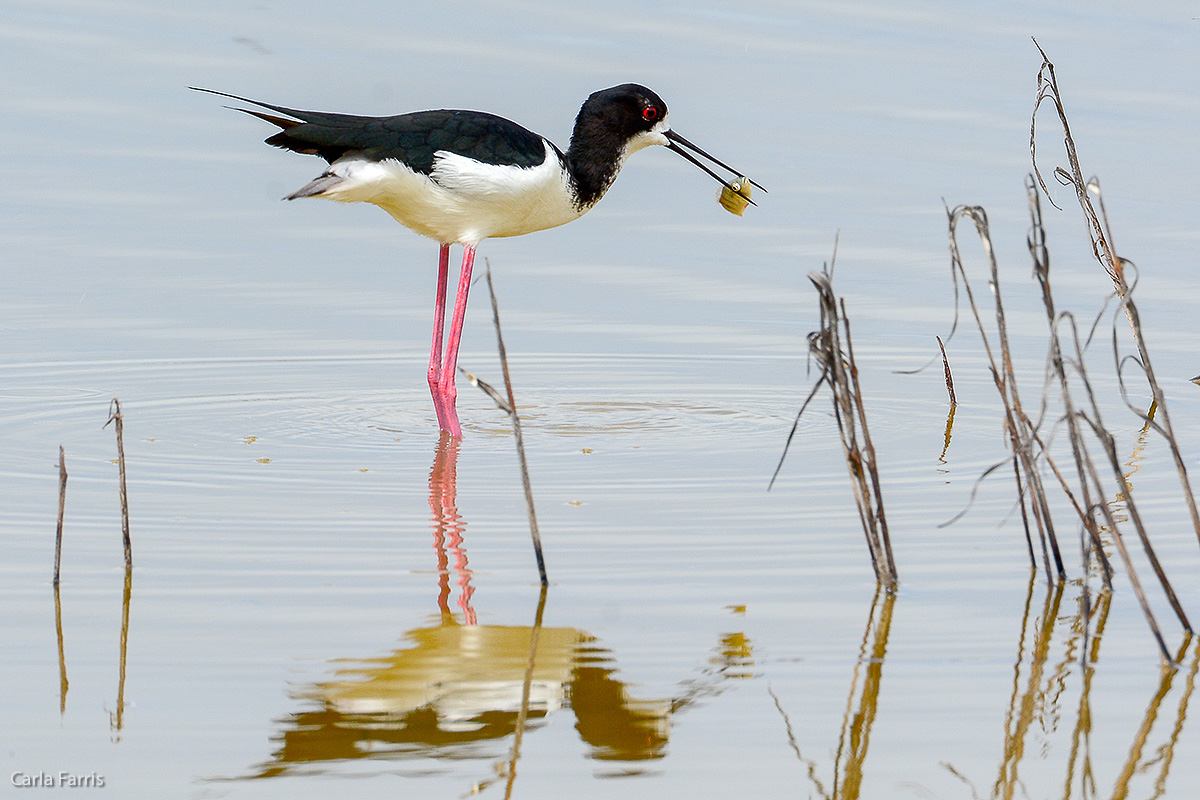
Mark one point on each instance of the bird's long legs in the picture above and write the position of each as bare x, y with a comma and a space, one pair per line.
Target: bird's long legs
439, 324
441, 371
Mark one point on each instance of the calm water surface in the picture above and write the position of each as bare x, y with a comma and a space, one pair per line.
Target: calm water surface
328, 602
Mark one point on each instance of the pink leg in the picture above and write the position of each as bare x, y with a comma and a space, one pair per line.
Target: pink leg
446, 382
439, 324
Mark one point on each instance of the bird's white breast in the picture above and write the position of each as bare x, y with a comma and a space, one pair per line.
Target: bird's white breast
463, 200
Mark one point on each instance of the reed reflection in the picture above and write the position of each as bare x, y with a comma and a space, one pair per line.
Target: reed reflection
456, 689
1053, 647
117, 717
862, 702
63, 684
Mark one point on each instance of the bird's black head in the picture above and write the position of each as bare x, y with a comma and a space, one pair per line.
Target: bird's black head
612, 124
621, 113
615, 123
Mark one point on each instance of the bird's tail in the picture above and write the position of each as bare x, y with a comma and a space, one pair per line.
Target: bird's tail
317, 186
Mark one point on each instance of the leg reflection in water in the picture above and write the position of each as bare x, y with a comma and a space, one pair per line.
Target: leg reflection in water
448, 527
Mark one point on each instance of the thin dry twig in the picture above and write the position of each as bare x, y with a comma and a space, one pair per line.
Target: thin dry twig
516, 419
1019, 429
1056, 366
62, 505
487, 389
1108, 445
114, 415
949, 377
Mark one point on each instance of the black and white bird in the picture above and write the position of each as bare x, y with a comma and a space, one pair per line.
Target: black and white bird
460, 177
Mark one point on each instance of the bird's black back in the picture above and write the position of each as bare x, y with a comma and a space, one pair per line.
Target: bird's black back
410, 138
415, 138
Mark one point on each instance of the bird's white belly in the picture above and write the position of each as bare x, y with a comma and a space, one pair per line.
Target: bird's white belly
463, 201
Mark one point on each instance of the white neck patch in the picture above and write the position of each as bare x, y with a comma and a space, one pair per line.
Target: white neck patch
656, 135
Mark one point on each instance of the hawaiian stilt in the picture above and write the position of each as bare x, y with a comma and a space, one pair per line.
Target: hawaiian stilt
464, 176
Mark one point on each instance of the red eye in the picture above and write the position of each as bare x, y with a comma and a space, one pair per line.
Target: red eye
650, 113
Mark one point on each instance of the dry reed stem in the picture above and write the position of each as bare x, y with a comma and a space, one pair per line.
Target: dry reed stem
1090, 482
114, 415
953, 401
840, 371
1158, 407
868, 452
1108, 444
1105, 252
1036, 241
62, 658
62, 505
1100, 233
1028, 446
516, 419
1019, 429
1119, 541
1089, 477
1075, 419
949, 377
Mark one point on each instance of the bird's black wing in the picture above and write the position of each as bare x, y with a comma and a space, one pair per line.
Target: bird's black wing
410, 138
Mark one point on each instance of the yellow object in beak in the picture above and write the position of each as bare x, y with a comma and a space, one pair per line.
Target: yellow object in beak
736, 196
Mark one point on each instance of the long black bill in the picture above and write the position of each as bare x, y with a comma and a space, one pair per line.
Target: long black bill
677, 143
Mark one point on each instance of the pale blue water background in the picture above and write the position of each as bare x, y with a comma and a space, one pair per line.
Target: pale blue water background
270, 360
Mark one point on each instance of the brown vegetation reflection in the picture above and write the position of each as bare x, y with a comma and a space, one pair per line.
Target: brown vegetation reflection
1058, 651
1052, 647
457, 689
862, 702
63, 684
117, 717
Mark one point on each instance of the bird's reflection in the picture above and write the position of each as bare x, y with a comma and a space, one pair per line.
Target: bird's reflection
452, 689
460, 690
